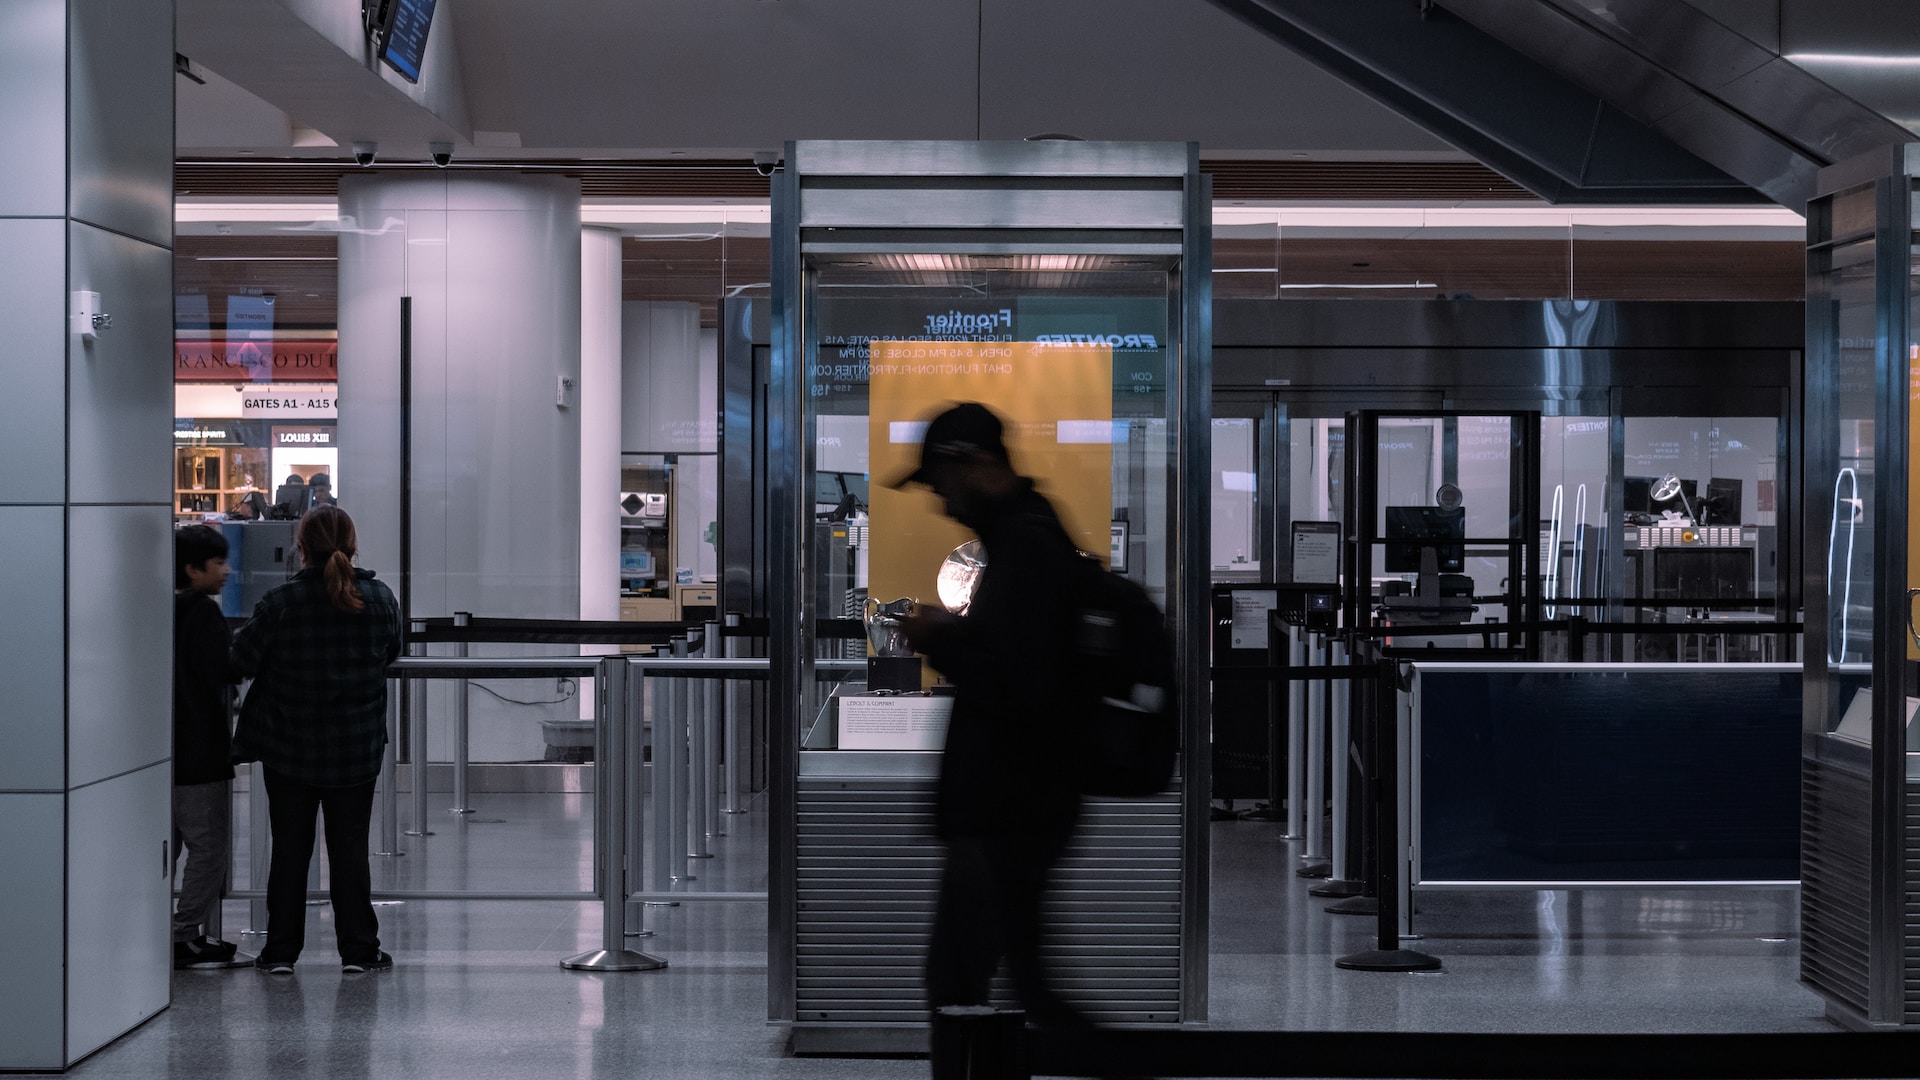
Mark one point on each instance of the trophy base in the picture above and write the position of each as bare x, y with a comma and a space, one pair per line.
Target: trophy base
893, 674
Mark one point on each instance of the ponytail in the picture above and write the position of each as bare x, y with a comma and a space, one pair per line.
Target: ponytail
326, 540
340, 586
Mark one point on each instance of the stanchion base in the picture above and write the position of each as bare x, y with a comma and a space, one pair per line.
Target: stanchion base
613, 960
459, 810
1338, 887
1315, 870
1388, 960
1356, 905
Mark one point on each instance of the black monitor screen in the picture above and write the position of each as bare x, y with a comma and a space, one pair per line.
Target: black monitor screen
1639, 495
1702, 573
1411, 528
1722, 501
404, 42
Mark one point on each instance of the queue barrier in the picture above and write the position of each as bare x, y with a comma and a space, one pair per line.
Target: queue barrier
620, 685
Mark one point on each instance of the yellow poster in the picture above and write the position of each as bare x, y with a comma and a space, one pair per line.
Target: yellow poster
1056, 401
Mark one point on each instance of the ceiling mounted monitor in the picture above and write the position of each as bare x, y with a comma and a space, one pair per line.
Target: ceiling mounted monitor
403, 29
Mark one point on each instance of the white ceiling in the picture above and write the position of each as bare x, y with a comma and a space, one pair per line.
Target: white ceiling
723, 78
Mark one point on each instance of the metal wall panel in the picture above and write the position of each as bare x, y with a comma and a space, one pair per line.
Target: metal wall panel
119, 640
1001, 208
120, 117
33, 849
31, 658
937, 158
120, 386
119, 945
33, 420
33, 108
869, 869
1835, 857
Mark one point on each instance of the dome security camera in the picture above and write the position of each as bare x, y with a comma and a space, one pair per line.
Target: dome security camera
765, 162
442, 153
364, 153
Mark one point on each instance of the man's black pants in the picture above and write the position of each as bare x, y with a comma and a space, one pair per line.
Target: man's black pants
291, 806
989, 906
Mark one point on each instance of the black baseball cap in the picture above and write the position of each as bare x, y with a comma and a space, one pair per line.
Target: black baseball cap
963, 429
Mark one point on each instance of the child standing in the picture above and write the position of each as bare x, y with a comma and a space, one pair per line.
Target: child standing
202, 741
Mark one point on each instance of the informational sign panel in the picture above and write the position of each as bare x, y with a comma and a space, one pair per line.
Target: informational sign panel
1056, 401
907, 722
1316, 552
1251, 611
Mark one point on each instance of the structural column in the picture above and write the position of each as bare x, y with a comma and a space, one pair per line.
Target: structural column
86, 207
492, 266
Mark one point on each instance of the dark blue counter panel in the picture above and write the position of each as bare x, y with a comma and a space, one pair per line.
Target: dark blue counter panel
1608, 773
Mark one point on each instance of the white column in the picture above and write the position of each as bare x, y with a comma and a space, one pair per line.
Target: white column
492, 264
599, 424
86, 206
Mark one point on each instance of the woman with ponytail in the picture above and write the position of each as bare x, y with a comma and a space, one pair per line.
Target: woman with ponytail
316, 720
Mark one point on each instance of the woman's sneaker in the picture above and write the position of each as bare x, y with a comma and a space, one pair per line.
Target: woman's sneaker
380, 962
203, 952
273, 967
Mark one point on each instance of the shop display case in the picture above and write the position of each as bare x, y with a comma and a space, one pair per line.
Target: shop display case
218, 479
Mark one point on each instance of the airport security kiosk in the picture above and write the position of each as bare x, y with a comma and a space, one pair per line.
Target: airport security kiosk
1860, 779
1064, 284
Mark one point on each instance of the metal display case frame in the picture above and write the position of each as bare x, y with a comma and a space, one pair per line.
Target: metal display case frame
844, 957
1860, 809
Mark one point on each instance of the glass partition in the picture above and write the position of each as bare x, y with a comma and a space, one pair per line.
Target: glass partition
1071, 352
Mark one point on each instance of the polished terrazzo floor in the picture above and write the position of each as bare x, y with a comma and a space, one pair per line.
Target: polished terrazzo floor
477, 993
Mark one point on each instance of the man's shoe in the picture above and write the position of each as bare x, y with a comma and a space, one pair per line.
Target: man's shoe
203, 952
273, 967
380, 962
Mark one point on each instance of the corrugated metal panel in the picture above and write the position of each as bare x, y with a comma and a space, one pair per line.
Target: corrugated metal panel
869, 868
1835, 867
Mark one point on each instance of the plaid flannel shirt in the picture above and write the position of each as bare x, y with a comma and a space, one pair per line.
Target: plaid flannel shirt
317, 711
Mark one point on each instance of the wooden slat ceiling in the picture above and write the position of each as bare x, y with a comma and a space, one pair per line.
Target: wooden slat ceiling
1336, 181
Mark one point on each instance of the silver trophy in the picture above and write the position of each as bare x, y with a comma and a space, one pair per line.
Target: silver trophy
893, 668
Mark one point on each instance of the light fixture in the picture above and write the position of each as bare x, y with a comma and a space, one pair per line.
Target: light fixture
1666, 488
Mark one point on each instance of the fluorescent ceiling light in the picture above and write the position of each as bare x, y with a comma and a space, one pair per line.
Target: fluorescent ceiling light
1508, 217
1855, 59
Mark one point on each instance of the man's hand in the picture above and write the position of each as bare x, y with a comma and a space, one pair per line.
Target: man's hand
927, 625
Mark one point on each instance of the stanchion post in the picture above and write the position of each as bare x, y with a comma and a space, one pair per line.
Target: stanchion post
1387, 955
735, 748
610, 795
677, 764
389, 784
1340, 880
462, 746
259, 848
417, 750
1315, 856
710, 719
660, 703
1296, 737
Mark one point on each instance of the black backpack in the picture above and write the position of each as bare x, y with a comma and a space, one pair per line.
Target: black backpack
1121, 693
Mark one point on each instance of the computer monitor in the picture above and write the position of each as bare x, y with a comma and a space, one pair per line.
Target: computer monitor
1638, 495
1722, 503
1411, 528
